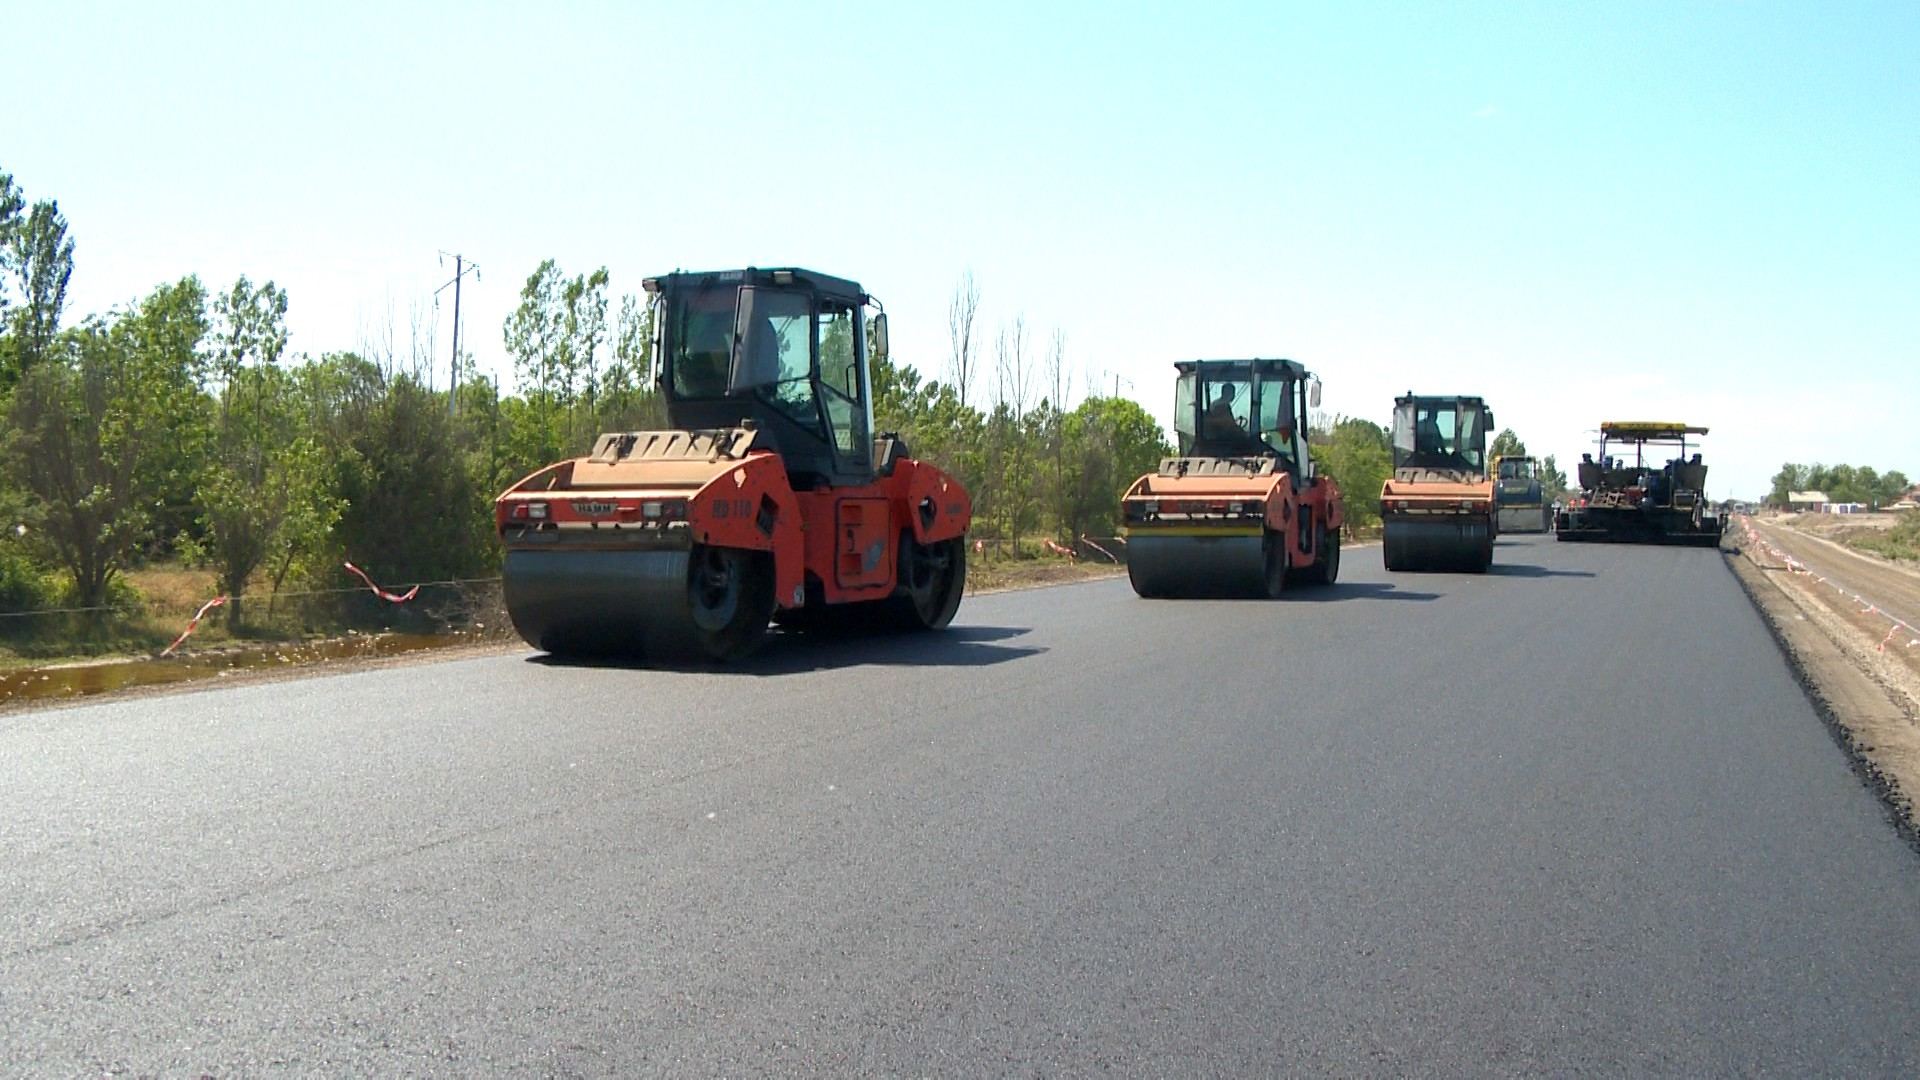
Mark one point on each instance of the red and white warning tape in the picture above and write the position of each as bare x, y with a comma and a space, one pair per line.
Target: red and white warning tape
1059, 550
1867, 607
397, 598
1087, 540
194, 623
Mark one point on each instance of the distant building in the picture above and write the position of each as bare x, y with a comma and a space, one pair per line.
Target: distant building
1844, 508
1799, 501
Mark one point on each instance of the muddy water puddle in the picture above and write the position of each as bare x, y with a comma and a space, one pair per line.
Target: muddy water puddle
65, 682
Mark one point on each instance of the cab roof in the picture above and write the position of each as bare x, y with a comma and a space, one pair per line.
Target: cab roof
1648, 429
1463, 399
752, 275
1265, 366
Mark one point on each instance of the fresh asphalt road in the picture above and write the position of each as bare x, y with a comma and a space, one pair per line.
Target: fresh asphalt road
1574, 815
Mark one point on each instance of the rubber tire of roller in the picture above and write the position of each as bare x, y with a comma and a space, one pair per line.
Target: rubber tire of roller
1326, 569
929, 594
725, 632
1277, 566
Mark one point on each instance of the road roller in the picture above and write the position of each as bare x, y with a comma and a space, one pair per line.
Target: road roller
767, 497
1626, 498
1241, 511
1519, 504
1437, 509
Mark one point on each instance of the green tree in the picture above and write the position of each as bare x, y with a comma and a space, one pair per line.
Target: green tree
96, 430
414, 510
1358, 455
555, 336
264, 493
1553, 482
1789, 479
11, 203
1110, 442
40, 258
628, 399
1507, 444
1893, 485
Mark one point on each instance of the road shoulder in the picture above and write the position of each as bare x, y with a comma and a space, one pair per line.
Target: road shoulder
1876, 725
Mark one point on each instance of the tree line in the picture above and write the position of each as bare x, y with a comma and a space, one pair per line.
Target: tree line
177, 429
1840, 483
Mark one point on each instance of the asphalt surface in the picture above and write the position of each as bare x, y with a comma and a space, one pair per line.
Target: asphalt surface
1572, 816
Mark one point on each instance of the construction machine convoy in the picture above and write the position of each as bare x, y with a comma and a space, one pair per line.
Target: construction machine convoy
1437, 509
767, 496
1241, 511
1520, 506
1626, 498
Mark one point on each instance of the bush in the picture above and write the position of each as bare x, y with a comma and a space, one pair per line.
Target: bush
1900, 542
24, 586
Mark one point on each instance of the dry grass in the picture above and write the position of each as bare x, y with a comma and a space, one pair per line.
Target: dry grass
990, 575
170, 589
1902, 541
1893, 535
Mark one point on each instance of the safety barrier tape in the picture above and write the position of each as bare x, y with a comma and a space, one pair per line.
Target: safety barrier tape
1058, 550
393, 598
221, 601
193, 623
1088, 540
1867, 607
286, 595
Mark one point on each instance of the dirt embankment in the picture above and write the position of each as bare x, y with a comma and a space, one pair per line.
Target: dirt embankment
1842, 620
1890, 536
1876, 599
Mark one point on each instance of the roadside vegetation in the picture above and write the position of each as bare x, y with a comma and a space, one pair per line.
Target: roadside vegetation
173, 448
1902, 541
1840, 484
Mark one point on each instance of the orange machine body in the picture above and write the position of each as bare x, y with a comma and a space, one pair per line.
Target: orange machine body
676, 489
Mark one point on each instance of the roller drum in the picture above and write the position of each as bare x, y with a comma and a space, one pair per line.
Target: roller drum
1201, 565
1445, 544
1523, 519
653, 604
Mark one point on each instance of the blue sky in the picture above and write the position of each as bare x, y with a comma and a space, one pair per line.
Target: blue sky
1703, 212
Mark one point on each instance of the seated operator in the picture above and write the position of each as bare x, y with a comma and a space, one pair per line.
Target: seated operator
704, 359
1429, 446
1220, 422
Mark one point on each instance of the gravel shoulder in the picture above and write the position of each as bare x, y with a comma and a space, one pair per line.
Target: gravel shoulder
1873, 604
1868, 697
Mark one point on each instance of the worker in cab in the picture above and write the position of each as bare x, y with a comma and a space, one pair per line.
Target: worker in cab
1220, 421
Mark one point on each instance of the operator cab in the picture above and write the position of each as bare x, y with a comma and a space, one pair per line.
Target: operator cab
1244, 408
783, 351
1513, 468
1440, 433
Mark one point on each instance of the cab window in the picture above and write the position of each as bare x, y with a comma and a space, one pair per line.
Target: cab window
840, 376
778, 343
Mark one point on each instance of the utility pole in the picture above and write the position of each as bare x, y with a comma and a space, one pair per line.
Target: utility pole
461, 267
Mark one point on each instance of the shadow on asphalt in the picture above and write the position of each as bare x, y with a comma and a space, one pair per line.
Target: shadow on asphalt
1357, 590
1500, 569
792, 652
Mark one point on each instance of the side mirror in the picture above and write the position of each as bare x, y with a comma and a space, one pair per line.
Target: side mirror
877, 336
1313, 394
